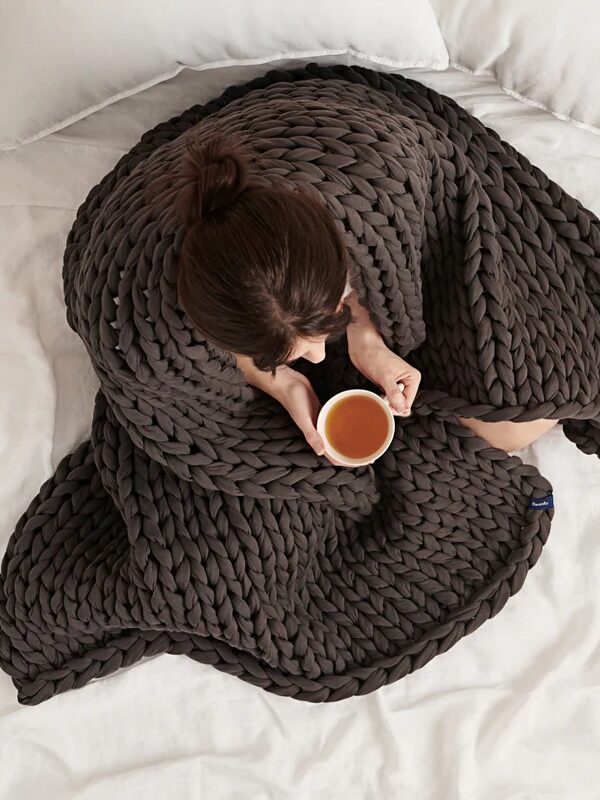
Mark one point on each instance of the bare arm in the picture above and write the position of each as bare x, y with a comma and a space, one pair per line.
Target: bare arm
370, 355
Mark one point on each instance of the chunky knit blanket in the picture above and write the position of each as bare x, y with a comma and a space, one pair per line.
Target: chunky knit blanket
197, 521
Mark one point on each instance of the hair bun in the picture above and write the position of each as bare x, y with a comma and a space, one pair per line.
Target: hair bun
212, 174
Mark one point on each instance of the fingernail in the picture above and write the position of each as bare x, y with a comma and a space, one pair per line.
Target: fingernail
406, 412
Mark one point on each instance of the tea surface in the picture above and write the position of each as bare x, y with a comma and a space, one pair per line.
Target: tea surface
357, 426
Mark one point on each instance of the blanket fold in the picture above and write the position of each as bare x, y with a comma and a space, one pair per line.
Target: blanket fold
197, 521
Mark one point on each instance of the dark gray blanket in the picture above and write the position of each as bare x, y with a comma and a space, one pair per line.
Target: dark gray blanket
197, 521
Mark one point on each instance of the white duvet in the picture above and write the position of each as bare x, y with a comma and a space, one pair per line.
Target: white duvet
511, 712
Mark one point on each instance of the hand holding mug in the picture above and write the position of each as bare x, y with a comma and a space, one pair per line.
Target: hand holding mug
387, 370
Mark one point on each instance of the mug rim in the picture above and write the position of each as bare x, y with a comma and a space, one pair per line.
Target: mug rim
331, 451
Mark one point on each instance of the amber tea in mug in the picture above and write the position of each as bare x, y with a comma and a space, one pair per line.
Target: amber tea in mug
357, 427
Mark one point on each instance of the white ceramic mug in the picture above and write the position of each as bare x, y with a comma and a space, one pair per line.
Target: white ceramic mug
331, 451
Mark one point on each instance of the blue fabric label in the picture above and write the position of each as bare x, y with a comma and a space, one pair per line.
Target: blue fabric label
541, 503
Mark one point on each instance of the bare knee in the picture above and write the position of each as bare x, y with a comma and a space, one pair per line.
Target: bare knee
509, 436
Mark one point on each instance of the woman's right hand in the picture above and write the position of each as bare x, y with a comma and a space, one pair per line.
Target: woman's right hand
295, 393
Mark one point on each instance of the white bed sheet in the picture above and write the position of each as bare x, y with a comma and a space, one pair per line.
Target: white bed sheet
511, 712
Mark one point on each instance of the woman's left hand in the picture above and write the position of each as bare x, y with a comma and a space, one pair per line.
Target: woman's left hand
384, 368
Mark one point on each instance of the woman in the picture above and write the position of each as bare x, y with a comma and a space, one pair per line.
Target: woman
264, 275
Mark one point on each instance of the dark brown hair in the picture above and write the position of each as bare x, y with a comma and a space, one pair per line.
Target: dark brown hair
260, 265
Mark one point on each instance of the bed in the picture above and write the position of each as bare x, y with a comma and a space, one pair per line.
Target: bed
512, 712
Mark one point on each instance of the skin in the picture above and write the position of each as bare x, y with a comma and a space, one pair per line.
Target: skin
384, 368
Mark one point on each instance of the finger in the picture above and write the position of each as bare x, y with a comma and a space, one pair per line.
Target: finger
395, 396
305, 423
411, 386
315, 441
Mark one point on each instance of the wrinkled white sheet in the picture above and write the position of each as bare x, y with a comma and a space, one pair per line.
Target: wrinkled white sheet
512, 712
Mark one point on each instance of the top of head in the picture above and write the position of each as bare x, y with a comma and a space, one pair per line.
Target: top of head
249, 277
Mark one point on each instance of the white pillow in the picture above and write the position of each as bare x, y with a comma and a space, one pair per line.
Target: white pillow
542, 51
60, 60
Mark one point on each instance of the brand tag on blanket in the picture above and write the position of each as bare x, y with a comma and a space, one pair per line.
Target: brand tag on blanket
541, 503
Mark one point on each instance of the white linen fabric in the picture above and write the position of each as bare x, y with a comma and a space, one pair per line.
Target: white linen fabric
60, 61
543, 52
511, 713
